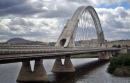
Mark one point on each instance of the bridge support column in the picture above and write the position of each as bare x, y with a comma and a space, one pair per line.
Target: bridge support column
103, 56
25, 72
38, 75
109, 54
57, 67
66, 67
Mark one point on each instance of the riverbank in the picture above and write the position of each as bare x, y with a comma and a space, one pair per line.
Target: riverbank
120, 65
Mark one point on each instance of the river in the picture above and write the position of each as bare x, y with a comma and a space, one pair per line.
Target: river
89, 70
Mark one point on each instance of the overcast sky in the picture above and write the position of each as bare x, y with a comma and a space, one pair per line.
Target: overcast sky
43, 20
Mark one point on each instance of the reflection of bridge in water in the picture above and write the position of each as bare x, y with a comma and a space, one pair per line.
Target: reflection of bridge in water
83, 26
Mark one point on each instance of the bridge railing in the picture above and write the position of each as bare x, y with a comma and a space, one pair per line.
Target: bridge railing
27, 46
22, 49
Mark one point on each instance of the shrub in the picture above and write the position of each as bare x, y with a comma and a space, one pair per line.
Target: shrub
114, 46
122, 61
119, 46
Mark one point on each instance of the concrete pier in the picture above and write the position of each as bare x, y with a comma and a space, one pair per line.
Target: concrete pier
109, 54
39, 73
66, 67
27, 75
57, 67
105, 55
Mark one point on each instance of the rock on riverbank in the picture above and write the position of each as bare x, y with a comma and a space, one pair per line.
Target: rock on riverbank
122, 72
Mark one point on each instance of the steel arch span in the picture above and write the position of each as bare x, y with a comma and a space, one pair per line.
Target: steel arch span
68, 34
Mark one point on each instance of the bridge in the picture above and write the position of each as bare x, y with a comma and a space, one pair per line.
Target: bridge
76, 38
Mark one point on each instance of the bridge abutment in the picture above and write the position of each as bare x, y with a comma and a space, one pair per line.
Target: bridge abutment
27, 75
66, 67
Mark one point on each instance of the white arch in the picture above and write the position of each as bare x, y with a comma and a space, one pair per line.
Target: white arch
69, 31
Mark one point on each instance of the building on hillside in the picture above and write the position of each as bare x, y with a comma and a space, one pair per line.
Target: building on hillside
87, 43
122, 43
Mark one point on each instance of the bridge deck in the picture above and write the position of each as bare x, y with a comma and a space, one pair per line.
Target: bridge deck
19, 55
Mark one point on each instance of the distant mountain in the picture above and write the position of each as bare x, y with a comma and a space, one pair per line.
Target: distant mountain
18, 40
52, 43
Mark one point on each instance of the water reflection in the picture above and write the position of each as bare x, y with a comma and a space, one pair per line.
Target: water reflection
81, 70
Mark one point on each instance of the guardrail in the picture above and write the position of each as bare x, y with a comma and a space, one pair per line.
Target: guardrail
26, 46
47, 50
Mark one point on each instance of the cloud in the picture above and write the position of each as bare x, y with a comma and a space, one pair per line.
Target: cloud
5, 4
44, 19
114, 21
46, 9
36, 29
19, 8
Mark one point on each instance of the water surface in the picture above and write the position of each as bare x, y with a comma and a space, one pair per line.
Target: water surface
89, 70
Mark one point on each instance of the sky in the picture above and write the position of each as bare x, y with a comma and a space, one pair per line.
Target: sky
43, 20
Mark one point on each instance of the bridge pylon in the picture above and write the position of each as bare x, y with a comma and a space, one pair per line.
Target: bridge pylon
67, 37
